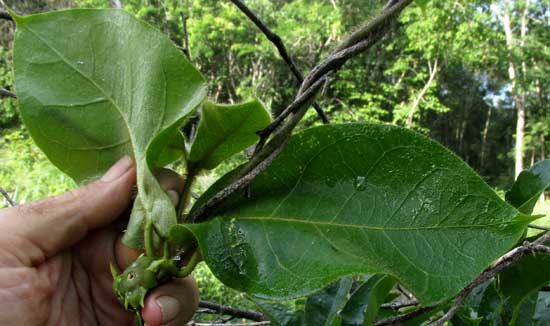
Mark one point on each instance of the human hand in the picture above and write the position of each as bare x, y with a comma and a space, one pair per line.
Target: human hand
55, 256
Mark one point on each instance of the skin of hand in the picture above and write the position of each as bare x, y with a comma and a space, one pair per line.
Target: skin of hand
55, 256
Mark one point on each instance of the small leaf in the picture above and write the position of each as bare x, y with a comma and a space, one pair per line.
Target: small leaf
491, 308
528, 187
322, 307
279, 314
358, 199
362, 307
225, 130
519, 286
470, 307
95, 85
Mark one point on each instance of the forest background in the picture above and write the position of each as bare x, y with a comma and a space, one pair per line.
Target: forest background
473, 75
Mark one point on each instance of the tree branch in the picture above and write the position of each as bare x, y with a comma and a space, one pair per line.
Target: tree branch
527, 248
5, 93
370, 34
5, 15
8, 197
234, 312
398, 305
538, 227
278, 42
397, 320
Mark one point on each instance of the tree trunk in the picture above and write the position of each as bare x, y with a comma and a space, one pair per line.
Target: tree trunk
520, 133
542, 157
517, 95
433, 72
115, 3
485, 135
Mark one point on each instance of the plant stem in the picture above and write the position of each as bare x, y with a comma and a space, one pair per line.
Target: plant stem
186, 194
148, 239
195, 259
167, 252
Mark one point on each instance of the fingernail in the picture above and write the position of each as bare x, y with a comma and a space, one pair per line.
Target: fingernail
117, 170
169, 308
174, 197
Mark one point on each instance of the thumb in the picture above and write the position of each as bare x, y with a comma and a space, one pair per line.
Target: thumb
39, 230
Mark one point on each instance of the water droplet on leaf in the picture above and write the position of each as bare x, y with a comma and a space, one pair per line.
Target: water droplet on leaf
360, 183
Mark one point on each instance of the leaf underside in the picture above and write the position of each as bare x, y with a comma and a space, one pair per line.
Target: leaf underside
95, 85
355, 199
528, 187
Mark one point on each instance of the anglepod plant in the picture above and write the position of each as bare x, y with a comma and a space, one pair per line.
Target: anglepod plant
327, 202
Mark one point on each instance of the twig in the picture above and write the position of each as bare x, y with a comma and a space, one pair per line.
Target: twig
8, 197
398, 304
357, 42
397, 320
502, 263
237, 313
5, 93
5, 15
269, 152
537, 227
277, 41
298, 103
405, 292
261, 323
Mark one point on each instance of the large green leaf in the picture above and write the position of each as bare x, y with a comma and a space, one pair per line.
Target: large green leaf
528, 187
358, 198
95, 85
225, 130
323, 307
362, 307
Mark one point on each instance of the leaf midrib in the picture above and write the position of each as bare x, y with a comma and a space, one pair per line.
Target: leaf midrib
368, 227
99, 88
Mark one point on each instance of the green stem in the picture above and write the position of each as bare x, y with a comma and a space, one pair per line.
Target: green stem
167, 252
195, 259
186, 194
148, 239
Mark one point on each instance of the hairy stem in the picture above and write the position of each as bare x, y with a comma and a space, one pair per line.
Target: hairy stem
195, 259
148, 239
